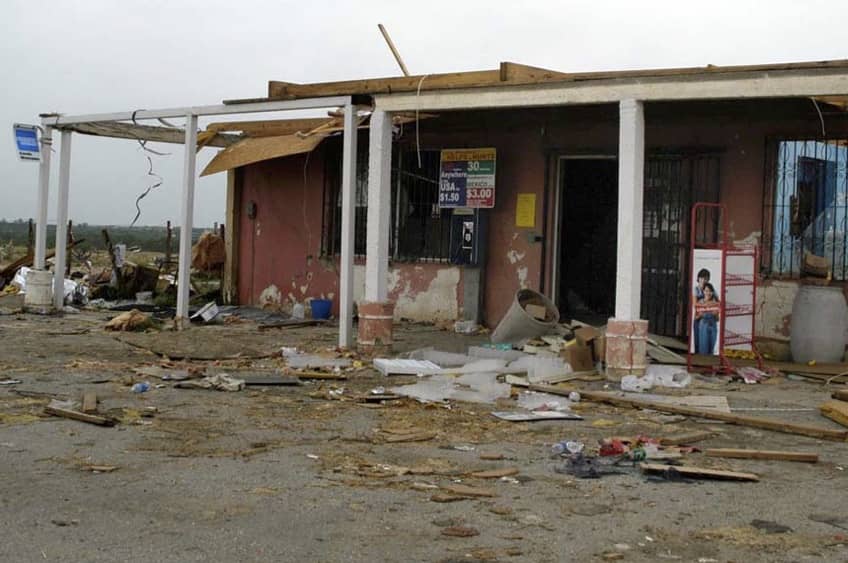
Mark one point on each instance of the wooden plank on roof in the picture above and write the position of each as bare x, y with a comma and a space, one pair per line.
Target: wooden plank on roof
273, 127
514, 74
152, 133
250, 150
286, 90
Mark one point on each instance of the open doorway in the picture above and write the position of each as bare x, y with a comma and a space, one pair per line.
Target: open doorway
588, 228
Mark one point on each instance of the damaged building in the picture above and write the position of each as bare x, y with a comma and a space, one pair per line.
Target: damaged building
594, 179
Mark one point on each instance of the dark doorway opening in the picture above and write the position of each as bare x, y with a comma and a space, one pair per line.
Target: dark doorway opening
589, 216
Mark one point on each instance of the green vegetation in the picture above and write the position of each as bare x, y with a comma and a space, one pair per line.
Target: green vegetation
150, 239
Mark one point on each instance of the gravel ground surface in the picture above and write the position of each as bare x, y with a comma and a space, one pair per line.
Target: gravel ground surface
309, 473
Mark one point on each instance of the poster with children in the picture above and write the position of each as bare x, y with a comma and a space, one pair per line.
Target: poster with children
706, 301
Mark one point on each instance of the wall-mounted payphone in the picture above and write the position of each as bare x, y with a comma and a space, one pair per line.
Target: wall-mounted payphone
469, 229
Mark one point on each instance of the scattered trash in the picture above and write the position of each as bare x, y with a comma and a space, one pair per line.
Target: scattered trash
388, 366
140, 387
465, 327
312, 361
770, 527
751, 375
131, 320
470, 387
218, 382
659, 376
567, 447
586, 467
10, 382
495, 473
207, 313
536, 416
442, 359
532, 401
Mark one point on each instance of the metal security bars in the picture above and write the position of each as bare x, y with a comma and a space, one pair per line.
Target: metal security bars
673, 184
420, 230
804, 204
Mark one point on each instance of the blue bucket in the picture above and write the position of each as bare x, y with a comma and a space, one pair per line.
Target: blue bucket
321, 308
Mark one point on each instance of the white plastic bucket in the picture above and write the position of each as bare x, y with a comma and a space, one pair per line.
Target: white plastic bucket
518, 325
39, 291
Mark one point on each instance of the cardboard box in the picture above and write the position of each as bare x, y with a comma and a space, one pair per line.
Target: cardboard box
586, 334
579, 356
536, 311
599, 348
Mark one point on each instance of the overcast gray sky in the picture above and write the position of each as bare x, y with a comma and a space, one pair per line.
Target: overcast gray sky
86, 56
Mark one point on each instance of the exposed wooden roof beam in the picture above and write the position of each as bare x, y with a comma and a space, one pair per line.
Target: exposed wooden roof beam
513, 74
152, 133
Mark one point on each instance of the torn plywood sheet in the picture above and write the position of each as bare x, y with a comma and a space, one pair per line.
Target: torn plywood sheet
707, 402
250, 150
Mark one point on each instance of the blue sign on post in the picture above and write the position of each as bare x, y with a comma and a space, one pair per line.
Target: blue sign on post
26, 140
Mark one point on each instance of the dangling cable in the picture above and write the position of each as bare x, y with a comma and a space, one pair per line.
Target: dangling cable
158, 179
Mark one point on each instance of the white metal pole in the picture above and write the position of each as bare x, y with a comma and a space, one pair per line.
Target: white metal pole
379, 207
631, 171
43, 192
186, 220
62, 220
348, 227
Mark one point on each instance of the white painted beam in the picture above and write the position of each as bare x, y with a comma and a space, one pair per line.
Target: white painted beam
379, 206
43, 193
220, 109
62, 221
775, 84
631, 171
186, 220
348, 227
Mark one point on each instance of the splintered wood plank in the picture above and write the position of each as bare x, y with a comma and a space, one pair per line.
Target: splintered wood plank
89, 402
698, 472
773, 424
836, 411
685, 438
762, 454
82, 417
468, 491
413, 437
841, 394
495, 473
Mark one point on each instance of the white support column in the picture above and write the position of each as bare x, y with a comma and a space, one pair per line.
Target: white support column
62, 220
186, 220
348, 227
379, 207
43, 192
631, 166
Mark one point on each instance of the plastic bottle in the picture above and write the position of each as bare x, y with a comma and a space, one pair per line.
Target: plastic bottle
141, 387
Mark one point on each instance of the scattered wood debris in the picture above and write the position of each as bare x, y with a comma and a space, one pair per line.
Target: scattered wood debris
697, 472
130, 321
61, 409
836, 411
89, 402
495, 473
460, 531
468, 491
762, 454
618, 399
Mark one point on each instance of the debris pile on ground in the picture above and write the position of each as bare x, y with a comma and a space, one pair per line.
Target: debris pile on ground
132, 320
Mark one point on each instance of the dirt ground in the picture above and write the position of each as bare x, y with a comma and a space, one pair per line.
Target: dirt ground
303, 474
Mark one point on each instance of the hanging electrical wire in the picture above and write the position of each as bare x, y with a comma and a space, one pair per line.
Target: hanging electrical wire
158, 180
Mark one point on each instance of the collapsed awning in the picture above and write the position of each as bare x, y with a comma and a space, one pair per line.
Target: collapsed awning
250, 150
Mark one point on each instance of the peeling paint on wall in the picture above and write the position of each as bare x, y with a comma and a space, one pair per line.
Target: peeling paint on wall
522, 277
436, 303
774, 309
514, 256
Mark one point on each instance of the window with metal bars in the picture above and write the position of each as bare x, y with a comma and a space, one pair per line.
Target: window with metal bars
420, 229
805, 205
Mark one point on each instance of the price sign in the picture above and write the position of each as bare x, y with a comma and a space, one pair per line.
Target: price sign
467, 178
